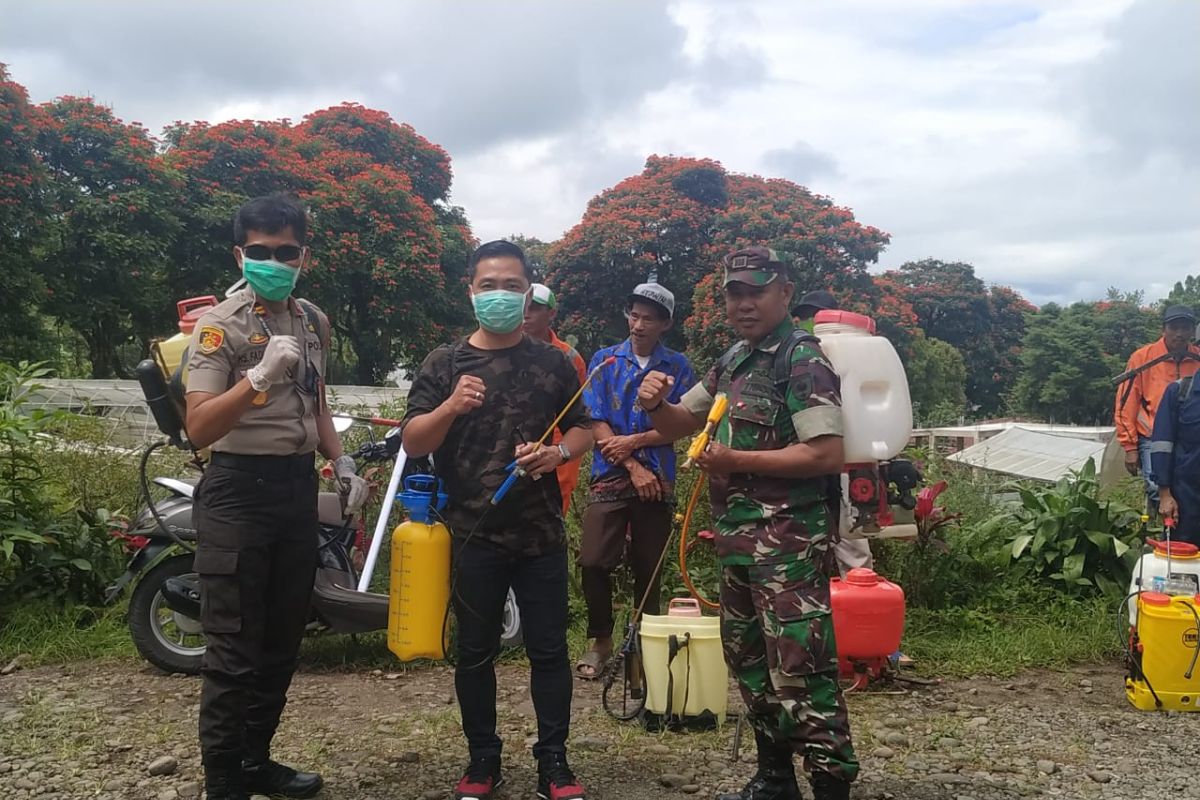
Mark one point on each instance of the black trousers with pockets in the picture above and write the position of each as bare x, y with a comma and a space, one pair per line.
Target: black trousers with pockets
256, 519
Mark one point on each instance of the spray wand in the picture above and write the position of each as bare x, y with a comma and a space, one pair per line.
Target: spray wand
700, 443
695, 449
514, 471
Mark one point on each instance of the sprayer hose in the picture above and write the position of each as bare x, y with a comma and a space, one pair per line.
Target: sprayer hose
683, 547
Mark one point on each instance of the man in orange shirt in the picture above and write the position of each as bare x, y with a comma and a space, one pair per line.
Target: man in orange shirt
539, 316
1155, 367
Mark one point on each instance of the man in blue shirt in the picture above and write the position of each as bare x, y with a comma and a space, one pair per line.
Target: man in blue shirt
633, 469
1175, 457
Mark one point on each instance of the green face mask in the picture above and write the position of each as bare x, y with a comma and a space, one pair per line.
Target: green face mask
270, 280
499, 311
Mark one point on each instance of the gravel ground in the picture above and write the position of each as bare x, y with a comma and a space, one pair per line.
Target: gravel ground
122, 731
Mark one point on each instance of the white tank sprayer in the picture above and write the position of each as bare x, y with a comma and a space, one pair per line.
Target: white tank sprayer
877, 411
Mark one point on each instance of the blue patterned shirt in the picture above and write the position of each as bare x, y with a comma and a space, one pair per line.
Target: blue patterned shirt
611, 398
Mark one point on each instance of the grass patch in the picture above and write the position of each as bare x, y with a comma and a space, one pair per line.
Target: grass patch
49, 634
963, 642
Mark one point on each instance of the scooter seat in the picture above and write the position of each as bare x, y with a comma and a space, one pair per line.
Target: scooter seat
346, 610
329, 509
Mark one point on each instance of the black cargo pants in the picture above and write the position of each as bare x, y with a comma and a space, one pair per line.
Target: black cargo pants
256, 522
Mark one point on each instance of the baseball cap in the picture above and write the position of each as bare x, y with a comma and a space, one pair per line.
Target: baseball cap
1179, 312
811, 303
655, 293
543, 296
757, 266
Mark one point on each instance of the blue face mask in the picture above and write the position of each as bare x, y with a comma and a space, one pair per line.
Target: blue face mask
270, 280
499, 311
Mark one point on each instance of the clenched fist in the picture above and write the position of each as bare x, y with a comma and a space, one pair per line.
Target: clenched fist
281, 354
467, 396
655, 388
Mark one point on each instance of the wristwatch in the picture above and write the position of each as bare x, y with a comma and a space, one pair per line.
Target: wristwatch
564, 452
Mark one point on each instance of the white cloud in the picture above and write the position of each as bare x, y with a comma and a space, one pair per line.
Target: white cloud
1048, 142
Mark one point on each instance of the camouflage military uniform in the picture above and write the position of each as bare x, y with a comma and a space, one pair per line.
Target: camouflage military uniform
774, 541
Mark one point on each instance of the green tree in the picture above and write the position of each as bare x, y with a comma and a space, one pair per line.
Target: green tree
536, 253
985, 324
676, 220
1185, 292
659, 223
113, 227
1124, 325
22, 225
1066, 373
937, 378
389, 251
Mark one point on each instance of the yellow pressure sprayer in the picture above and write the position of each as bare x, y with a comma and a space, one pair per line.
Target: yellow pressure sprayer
626, 666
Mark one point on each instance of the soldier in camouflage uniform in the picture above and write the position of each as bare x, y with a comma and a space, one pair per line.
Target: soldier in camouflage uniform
770, 467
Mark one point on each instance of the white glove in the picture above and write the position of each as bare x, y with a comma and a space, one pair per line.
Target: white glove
353, 488
281, 354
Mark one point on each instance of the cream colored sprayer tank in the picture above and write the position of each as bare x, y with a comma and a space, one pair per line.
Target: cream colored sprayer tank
875, 404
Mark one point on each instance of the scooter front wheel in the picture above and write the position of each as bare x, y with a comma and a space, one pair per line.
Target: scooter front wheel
167, 639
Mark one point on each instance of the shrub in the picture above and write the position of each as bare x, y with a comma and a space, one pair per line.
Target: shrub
67, 556
1067, 536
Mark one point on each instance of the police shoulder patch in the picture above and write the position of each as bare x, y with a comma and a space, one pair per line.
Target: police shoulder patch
211, 339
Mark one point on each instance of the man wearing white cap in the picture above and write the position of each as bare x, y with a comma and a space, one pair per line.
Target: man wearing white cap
539, 316
633, 469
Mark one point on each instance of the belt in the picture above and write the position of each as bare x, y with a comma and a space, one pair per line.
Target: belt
293, 466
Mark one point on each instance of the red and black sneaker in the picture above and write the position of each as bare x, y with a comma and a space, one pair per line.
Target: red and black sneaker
556, 781
481, 779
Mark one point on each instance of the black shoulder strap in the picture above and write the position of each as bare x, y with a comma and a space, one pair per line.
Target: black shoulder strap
783, 355
318, 319
725, 360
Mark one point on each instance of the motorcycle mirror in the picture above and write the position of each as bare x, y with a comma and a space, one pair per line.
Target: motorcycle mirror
342, 424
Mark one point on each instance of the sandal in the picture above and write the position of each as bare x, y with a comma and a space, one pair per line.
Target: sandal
592, 660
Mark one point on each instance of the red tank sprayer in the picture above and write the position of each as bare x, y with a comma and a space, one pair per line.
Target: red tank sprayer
868, 622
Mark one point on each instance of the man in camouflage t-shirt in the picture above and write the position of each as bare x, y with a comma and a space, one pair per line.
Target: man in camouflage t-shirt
477, 405
770, 468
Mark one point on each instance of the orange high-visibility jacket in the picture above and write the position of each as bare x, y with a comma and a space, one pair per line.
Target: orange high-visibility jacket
568, 474
1135, 417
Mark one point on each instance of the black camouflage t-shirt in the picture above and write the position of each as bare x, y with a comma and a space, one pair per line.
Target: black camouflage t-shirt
527, 385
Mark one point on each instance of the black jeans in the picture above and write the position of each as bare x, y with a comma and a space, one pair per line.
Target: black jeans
483, 577
256, 557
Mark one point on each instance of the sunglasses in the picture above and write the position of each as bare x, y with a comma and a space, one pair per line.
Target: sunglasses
283, 253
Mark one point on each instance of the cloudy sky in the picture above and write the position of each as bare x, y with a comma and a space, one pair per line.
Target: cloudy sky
1055, 144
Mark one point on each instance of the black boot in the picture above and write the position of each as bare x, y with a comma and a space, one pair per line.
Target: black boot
261, 775
272, 778
776, 777
828, 787
224, 783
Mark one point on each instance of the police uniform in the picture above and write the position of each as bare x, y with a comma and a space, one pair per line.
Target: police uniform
775, 541
256, 520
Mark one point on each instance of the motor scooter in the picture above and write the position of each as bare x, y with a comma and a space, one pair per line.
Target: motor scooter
164, 607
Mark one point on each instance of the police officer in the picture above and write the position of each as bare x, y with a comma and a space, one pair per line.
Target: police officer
256, 396
769, 469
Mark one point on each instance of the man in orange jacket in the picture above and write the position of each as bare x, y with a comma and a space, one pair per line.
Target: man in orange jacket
539, 316
1155, 367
